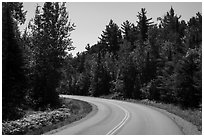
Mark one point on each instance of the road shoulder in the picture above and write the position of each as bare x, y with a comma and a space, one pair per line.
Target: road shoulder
93, 112
186, 127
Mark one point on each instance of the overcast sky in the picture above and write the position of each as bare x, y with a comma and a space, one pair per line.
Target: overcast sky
91, 18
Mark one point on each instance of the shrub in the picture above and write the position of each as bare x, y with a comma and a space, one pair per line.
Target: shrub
34, 121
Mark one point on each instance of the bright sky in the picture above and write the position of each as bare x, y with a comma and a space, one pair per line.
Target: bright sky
91, 18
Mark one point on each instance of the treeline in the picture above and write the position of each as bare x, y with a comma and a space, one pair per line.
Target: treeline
32, 60
160, 62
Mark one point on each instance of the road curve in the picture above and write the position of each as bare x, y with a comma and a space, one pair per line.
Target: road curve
121, 118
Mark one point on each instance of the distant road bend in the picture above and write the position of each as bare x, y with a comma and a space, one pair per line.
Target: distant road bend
121, 118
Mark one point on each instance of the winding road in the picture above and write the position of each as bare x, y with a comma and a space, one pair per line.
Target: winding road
114, 117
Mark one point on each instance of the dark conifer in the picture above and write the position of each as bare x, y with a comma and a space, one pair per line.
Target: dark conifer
13, 72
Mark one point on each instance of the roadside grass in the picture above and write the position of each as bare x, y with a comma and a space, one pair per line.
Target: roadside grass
78, 110
36, 123
191, 115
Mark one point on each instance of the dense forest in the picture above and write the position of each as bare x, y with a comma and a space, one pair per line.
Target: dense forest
142, 60
160, 62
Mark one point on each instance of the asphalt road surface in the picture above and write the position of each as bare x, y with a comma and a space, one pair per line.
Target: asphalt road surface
121, 118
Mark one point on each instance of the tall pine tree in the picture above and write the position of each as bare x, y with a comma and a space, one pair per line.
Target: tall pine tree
51, 38
111, 37
143, 24
13, 74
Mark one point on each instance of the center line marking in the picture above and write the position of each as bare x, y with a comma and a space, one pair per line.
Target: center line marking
116, 128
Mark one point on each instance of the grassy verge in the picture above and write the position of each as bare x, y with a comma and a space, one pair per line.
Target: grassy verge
192, 115
41, 122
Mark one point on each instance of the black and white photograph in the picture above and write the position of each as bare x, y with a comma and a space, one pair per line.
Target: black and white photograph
101, 68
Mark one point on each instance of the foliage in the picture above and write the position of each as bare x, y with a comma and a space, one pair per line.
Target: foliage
111, 37
32, 62
189, 71
50, 31
156, 62
130, 32
38, 122
140, 61
13, 64
35, 121
143, 24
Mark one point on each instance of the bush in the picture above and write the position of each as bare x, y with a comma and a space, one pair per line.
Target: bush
34, 121
151, 91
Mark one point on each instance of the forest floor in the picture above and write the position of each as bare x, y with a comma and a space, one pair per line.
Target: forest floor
39, 122
189, 120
